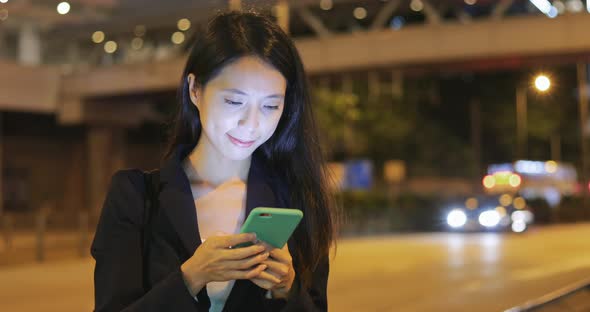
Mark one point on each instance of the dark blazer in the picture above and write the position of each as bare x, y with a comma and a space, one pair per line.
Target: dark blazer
118, 278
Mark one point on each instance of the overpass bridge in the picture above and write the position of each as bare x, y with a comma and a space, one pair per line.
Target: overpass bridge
563, 39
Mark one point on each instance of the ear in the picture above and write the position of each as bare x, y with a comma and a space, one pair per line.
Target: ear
194, 91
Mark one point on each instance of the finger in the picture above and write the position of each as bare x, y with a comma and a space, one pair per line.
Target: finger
248, 262
279, 269
232, 240
242, 253
282, 255
256, 271
246, 274
269, 277
262, 283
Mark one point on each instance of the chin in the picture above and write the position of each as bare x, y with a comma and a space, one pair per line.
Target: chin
239, 155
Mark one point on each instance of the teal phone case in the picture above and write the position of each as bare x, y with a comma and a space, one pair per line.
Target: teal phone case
272, 225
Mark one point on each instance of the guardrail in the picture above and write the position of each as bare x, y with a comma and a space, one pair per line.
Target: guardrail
39, 235
574, 297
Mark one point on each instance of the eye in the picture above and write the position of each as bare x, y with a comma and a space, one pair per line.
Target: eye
230, 102
272, 105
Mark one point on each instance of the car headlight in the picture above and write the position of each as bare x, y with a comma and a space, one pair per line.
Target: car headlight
456, 218
518, 226
522, 216
489, 218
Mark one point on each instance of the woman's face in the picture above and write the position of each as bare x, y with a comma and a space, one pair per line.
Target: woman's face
240, 108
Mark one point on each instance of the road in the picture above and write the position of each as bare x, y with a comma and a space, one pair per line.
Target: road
417, 272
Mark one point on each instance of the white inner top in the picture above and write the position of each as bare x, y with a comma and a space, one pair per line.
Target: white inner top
221, 211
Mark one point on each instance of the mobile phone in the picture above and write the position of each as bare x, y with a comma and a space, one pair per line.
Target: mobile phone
273, 226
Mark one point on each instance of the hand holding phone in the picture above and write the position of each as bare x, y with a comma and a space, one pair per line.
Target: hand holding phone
279, 274
213, 262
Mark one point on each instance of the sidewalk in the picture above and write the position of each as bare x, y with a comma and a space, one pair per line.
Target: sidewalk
59, 286
58, 245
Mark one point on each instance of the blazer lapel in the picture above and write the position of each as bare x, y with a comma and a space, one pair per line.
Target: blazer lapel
176, 199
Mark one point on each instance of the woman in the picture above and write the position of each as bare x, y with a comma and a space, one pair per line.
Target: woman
243, 137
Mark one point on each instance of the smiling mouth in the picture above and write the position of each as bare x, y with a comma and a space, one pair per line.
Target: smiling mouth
240, 143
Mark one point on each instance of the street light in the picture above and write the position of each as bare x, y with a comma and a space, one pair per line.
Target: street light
542, 83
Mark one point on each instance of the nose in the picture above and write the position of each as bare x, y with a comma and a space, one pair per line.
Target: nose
250, 119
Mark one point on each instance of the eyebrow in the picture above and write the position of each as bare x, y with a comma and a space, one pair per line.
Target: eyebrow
273, 96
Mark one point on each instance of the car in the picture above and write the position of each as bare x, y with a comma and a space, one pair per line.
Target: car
503, 213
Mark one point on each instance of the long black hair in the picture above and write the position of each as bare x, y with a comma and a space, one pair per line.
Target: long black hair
293, 152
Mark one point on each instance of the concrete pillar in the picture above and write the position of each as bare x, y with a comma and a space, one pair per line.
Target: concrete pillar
347, 83
582, 75
29, 45
73, 53
5, 219
1, 167
75, 180
106, 154
374, 86
3, 49
397, 83
83, 228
